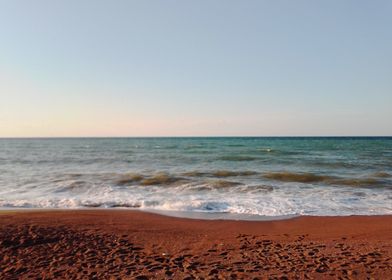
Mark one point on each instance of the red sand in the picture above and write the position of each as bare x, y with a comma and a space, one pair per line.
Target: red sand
106, 244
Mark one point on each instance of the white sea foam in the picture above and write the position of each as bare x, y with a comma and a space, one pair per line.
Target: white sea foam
282, 201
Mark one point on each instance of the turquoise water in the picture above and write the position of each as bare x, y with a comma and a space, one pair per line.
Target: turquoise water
250, 176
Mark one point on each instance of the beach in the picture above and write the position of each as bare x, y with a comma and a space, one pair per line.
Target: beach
201, 140
126, 244
245, 207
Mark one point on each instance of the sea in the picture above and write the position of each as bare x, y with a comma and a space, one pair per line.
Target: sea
202, 177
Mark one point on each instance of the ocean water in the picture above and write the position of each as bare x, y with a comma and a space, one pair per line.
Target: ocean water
242, 177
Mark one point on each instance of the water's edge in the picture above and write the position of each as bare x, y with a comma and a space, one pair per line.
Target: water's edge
179, 214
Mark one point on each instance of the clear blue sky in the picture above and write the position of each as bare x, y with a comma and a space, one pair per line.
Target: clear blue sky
161, 68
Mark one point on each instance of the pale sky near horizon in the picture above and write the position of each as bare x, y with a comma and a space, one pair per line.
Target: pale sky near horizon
195, 68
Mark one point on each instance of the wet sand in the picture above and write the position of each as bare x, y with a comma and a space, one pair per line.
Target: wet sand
122, 244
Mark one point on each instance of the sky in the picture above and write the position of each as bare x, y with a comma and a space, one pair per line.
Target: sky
195, 68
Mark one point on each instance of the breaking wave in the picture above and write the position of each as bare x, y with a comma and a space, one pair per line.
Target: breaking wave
219, 173
160, 178
332, 180
296, 177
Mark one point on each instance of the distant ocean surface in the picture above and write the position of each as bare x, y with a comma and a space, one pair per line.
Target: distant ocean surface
258, 177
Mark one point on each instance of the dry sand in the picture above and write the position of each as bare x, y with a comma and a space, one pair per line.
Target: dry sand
121, 244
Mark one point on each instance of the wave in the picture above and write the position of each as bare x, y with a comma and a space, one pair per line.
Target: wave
76, 186
163, 178
195, 174
80, 182
237, 158
219, 184
160, 178
205, 186
75, 175
331, 180
263, 188
296, 177
238, 187
382, 174
360, 182
219, 173
129, 179
227, 173
218, 196
111, 205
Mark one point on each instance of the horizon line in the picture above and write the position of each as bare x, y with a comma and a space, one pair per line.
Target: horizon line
203, 136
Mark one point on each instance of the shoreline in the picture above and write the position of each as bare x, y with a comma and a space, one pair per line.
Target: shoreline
127, 244
202, 216
208, 216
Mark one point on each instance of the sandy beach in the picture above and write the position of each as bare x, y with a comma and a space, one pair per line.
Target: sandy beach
121, 244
